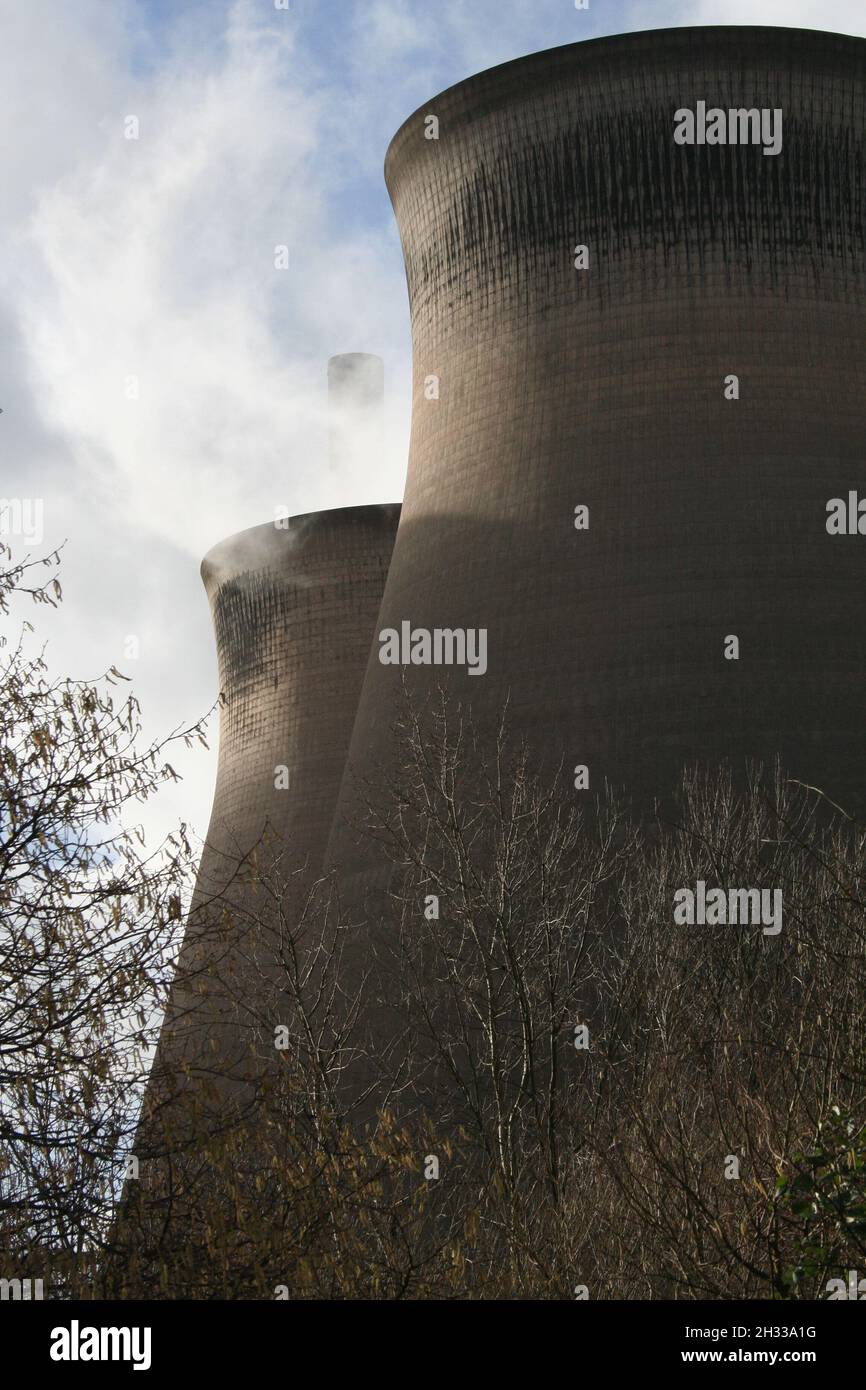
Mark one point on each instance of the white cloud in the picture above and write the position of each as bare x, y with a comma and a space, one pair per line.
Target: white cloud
839, 16
152, 275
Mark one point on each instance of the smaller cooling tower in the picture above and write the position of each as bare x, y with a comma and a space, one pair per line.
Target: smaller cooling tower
294, 612
294, 607
356, 397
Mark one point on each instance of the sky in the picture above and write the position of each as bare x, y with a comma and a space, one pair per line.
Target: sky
162, 382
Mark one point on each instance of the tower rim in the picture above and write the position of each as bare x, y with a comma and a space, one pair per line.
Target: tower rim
482, 84
258, 546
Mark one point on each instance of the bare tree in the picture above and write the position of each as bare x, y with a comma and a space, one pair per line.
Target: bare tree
89, 924
502, 896
724, 1048
512, 1071
276, 1187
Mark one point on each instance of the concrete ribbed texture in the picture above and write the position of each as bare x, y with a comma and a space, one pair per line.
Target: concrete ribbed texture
294, 609
294, 612
605, 387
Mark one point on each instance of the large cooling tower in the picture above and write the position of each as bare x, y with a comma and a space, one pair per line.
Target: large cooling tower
549, 378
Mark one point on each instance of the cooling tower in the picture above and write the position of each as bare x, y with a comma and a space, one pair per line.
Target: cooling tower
293, 612
294, 607
356, 410
639, 379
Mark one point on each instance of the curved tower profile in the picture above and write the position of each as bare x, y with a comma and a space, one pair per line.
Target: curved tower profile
294, 607
639, 379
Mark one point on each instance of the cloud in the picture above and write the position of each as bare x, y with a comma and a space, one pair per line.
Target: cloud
157, 305
163, 382
840, 16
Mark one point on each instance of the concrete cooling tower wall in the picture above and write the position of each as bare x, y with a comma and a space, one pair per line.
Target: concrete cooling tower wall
670, 336
294, 609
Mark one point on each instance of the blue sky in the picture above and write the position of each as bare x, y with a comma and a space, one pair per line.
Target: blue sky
149, 263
